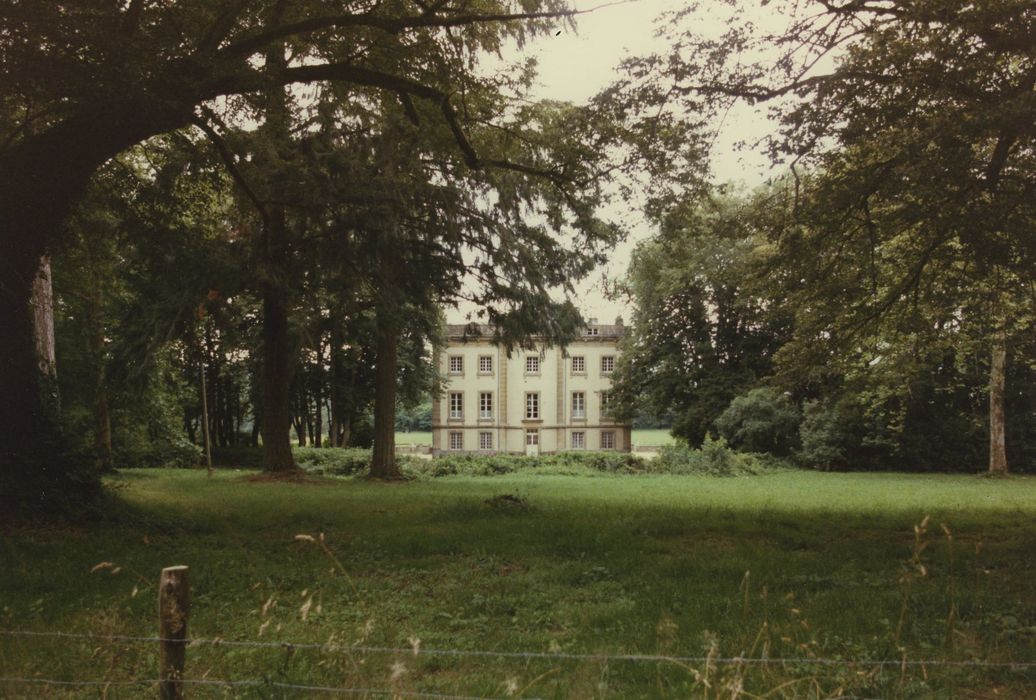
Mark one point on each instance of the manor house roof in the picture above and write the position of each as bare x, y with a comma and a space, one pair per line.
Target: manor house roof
470, 331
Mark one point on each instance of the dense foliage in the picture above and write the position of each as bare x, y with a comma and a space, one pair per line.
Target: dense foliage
900, 245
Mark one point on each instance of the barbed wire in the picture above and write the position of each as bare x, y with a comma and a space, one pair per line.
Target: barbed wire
560, 655
293, 686
251, 683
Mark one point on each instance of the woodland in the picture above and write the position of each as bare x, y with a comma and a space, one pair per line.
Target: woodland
231, 221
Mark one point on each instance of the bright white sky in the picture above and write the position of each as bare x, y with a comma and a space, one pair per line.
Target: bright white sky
576, 65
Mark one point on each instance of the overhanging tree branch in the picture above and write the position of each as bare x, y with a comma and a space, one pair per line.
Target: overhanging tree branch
228, 160
391, 25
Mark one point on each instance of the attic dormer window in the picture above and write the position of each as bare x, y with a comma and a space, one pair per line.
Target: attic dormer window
593, 330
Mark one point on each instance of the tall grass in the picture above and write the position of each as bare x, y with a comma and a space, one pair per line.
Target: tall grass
797, 565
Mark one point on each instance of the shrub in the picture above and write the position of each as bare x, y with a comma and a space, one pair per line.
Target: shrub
173, 453
763, 420
714, 458
829, 434
610, 462
560, 463
333, 460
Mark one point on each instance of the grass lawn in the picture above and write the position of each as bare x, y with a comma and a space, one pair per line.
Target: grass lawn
652, 438
415, 438
796, 565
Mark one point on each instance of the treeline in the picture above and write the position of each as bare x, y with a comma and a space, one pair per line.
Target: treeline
728, 342
875, 307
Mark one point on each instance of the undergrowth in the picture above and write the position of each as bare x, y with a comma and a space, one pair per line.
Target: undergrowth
713, 459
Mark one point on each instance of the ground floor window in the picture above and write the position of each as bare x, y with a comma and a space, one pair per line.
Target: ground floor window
456, 439
607, 439
485, 440
532, 437
579, 440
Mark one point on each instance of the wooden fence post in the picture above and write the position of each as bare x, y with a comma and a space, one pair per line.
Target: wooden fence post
174, 606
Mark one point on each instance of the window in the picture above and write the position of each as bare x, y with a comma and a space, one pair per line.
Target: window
485, 405
532, 364
485, 440
593, 331
607, 364
456, 364
606, 401
578, 404
578, 364
532, 405
532, 437
485, 364
456, 439
607, 439
579, 440
456, 404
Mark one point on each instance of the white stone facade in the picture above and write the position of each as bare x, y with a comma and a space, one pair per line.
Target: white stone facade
534, 402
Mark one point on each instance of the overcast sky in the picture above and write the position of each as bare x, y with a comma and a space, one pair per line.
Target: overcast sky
576, 65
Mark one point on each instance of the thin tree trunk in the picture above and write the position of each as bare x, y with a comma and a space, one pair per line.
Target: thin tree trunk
347, 430
307, 417
255, 431
997, 381
188, 424
205, 418
102, 417
238, 415
318, 385
335, 390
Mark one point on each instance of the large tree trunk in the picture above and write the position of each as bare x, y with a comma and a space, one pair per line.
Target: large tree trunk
383, 458
34, 472
997, 380
389, 303
277, 351
277, 358
41, 178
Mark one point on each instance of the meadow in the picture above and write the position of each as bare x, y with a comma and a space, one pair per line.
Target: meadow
850, 585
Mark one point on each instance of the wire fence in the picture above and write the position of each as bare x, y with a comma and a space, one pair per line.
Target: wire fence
559, 655
413, 651
252, 684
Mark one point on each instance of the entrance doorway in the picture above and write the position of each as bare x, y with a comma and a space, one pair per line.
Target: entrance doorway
532, 443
